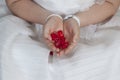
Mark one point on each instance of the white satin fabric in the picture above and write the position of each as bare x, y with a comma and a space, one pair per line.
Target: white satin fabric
25, 57
66, 7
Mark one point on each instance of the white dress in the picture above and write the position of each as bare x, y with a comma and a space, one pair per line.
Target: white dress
25, 57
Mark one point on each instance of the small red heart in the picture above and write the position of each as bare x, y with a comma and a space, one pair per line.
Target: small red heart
59, 40
57, 44
60, 33
53, 36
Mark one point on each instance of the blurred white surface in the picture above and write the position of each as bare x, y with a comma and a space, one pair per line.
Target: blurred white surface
3, 9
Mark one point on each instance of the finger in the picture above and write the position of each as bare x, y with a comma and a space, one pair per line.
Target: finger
76, 38
58, 54
47, 34
76, 35
51, 45
61, 52
70, 48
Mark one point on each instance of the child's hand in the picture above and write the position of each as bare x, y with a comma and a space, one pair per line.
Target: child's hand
72, 34
52, 25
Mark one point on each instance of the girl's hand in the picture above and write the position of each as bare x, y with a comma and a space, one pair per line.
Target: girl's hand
53, 24
72, 34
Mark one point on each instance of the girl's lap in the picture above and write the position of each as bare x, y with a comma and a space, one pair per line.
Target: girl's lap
24, 58
98, 56
29, 57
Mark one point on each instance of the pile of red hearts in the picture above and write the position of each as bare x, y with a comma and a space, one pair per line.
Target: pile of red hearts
59, 40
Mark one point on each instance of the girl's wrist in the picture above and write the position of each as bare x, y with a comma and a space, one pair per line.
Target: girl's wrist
42, 20
53, 16
73, 17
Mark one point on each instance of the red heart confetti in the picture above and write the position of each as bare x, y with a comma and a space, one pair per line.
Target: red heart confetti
59, 40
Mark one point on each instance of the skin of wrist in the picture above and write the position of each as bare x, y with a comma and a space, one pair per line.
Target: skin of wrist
46, 15
55, 18
71, 20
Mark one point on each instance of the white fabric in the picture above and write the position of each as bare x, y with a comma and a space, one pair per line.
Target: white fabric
3, 9
22, 63
96, 57
70, 6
